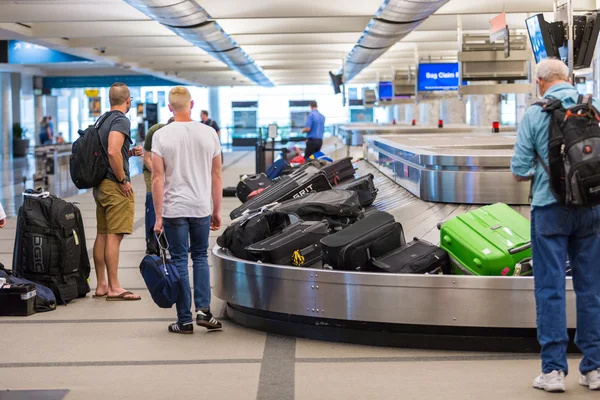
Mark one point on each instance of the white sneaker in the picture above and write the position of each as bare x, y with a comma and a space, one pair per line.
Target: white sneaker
552, 382
591, 380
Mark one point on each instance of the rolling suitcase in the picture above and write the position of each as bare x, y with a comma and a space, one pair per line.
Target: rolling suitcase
250, 184
339, 207
491, 241
339, 171
352, 248
365, 188
416, 257
298, 184
299, 245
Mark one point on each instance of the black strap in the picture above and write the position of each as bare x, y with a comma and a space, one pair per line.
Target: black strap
103, 118
580, 99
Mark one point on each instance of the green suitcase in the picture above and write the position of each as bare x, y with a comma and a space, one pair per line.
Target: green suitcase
491, 241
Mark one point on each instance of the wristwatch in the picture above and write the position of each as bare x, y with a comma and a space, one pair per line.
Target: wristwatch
124, 181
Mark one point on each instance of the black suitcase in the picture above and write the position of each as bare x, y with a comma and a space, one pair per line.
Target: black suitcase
416, 257
339, 171
352, 248
252, 229
365, 188
339, 207
299, 245
298, 184
251, 183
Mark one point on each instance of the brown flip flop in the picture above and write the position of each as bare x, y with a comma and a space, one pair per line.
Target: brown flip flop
122, 297
99, 296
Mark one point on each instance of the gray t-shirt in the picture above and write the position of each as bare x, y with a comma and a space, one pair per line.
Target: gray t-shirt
117, 121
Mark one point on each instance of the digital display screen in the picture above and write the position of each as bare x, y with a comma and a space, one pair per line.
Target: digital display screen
386, 90
537, 38
440, 76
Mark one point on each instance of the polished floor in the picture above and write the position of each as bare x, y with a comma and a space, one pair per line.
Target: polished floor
121, 350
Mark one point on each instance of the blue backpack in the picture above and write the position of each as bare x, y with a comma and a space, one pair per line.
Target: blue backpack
278, 168
44, 299
161, 276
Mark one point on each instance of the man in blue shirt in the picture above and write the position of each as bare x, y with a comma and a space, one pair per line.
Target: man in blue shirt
559, 233
315, 127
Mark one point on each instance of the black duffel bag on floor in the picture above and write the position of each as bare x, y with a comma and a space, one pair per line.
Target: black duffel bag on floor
50, 247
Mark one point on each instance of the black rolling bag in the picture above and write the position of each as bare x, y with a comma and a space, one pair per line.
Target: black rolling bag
299, 245
250, 184
252, 229
365, 188
296, 185
339, 207
339, 171
352, 248
416, 257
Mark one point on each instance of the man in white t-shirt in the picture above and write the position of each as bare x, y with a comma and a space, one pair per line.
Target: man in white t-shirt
186, 176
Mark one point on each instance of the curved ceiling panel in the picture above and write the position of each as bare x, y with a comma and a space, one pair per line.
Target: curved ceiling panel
190, 21
393, 21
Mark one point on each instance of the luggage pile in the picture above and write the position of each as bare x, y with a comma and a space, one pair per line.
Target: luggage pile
318, 213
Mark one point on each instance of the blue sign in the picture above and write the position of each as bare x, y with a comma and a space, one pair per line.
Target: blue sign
27, 53
386, 91
162, 102
149, 97
61, 82
438, 77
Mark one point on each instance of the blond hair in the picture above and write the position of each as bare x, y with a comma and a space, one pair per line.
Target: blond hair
180, 98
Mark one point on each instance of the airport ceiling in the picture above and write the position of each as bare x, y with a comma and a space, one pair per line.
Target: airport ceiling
294, 41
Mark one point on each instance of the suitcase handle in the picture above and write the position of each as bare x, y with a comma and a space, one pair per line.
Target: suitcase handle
519, 249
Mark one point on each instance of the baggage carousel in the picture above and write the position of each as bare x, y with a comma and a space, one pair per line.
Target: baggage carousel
419, 311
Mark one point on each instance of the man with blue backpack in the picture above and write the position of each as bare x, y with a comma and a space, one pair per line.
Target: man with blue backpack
558, 148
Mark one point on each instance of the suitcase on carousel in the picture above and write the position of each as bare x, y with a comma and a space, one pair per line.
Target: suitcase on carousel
299, 245
298, 184
339, 171
250, 184
353, 248
364, 187
416, 257
491, 241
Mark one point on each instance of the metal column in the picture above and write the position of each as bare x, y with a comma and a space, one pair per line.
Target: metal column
5, 115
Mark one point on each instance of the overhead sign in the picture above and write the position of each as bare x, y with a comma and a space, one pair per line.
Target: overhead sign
438, 77
92, 92
498, 27
20, 52
95, 106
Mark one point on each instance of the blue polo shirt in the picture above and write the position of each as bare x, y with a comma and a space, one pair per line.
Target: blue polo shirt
532, 138
316, 123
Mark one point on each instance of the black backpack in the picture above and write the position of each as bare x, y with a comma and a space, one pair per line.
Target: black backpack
50, 247
89, 159
573, 152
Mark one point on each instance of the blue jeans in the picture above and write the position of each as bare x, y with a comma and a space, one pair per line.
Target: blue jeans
150, 219
196, 230
559, 232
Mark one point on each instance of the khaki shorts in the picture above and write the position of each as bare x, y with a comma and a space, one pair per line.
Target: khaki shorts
114, 211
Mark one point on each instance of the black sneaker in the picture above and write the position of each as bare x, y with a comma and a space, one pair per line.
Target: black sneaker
177, 327
206, 319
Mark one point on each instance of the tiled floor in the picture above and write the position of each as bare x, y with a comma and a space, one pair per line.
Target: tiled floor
104, 350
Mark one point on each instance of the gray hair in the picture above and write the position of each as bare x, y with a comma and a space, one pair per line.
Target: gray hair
552, 70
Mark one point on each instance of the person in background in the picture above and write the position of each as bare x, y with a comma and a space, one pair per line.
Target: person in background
150, 220
207, 121
115, 203
50, 127
2, 217
315, 128
186, 176
45, 132
558, 233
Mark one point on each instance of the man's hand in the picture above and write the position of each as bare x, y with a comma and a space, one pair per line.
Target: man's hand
137, 151
126, 189
2, 223
158, 226
215, 222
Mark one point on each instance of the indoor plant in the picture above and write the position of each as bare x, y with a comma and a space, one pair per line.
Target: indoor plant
20, 144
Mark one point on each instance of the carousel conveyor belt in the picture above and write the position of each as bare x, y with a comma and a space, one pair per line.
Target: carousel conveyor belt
420, 311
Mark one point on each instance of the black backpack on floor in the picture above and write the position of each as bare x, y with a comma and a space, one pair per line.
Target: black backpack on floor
89, 160
573, 152
50, 247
